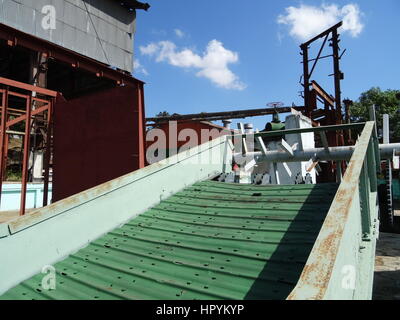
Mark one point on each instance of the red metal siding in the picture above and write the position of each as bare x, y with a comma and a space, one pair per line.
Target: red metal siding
97, 137
197, 126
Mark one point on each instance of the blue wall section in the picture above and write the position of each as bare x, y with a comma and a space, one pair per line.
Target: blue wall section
11, 196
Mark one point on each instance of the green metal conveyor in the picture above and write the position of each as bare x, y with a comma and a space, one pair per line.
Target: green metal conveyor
210, 241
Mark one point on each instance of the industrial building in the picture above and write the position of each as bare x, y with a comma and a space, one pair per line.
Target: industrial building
280, 213
80, 68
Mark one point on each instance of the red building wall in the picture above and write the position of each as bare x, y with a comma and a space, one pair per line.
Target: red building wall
172, 133
97, 137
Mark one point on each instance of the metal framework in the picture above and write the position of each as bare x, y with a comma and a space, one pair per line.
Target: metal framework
313, 92
213, 116
134, 5
346, 239
38, 102
49, 50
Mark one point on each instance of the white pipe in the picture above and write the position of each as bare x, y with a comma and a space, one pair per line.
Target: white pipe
334, 154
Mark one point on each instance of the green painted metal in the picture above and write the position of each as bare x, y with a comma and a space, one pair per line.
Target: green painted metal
49, 234
396, 189
186, 239
275, 126
341, 263
210, 241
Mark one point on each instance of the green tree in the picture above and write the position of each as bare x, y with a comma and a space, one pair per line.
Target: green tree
386, 102
162, 114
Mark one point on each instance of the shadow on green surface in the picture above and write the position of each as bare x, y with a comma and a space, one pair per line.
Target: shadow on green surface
306, 219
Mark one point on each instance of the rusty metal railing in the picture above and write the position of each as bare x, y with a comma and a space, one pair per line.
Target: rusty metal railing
341, 263
37, 101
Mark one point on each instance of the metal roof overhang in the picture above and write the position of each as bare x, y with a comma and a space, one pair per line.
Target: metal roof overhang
133, 4
18, 38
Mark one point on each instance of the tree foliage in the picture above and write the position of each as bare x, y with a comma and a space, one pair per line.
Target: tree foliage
386, 102
162, 114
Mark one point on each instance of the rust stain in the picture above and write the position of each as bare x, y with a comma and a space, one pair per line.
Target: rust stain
79, 198
317, 274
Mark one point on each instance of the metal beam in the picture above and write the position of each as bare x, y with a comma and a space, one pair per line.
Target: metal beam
18, 38
23, 117
324, 140
322, 93
385, 128
323, 34
320, 154
28, 87
286, 147
25, 163
3, 151
261, 143
337, 77
133, 4
319, 55
212, 116
313, 129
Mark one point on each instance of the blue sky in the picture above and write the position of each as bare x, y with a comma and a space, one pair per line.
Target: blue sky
204, 56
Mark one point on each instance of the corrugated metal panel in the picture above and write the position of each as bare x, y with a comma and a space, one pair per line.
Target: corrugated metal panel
211, 241
76, 30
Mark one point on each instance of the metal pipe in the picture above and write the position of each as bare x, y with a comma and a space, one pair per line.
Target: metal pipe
386, 150
227, 123
4, 106
25, 164
385, 128
248, 127
321, 154
48, 153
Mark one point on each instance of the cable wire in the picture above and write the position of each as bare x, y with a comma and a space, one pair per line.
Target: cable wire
97, 35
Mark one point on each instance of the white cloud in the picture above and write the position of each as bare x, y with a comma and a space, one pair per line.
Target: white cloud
179, 33
149, 49
138, 68
213, 64
308, 21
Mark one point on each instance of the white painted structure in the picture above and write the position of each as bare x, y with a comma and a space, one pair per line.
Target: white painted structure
288, 173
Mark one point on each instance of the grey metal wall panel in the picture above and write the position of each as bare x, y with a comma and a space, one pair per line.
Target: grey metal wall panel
106, 35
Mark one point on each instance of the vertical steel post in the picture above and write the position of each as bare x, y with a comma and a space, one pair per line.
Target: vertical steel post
372, 117
347, 104
4, 107
6, 143
372, 166
338, 171
386, 129
48, 152
337, 75
26, 154
141, 126
306, 80
364, 198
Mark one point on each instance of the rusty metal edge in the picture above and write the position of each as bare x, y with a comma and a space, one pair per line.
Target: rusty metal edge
314, 280
60, 207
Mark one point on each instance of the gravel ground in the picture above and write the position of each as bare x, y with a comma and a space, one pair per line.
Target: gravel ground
387, 267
